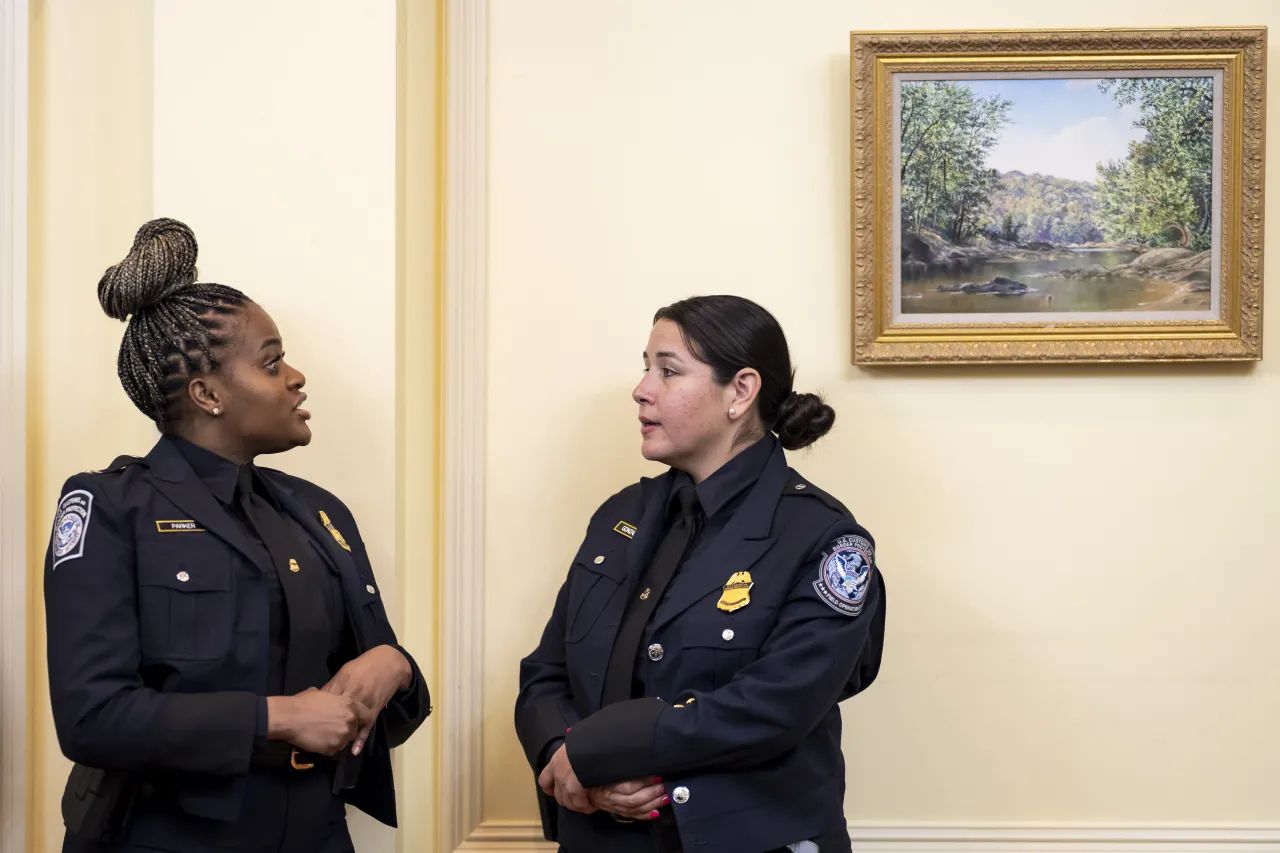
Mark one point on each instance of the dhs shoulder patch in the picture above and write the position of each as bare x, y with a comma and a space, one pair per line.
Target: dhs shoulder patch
71, 525
844, 574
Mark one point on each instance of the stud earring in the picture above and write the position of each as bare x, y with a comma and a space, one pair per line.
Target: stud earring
732, 412
217, 411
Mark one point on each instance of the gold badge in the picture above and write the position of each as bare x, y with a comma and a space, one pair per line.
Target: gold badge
324, 519
627, 530
737, 592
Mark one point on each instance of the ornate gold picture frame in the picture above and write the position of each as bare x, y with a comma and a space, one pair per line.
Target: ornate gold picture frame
1057, 196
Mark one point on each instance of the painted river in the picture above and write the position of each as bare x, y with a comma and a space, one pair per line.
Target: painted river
1048, 292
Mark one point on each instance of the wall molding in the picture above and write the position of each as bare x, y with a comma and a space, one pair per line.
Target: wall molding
461, 705
526, 837
13, 416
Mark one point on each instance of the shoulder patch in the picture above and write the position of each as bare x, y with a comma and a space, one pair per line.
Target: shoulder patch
70, 525
844, 574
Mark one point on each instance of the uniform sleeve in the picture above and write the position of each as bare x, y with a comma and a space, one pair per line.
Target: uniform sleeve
544, 705
105, 717
408, 708
810, 662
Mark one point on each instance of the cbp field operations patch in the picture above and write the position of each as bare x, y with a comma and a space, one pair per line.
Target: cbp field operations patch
70, 526
844, 574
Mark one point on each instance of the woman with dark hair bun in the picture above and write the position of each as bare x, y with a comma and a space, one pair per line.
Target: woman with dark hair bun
221, 667
684, 694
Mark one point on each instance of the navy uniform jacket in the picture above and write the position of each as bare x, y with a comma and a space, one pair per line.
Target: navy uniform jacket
158, 635
740, 716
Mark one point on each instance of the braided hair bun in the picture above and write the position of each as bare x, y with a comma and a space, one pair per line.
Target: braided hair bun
161, 263
176, 328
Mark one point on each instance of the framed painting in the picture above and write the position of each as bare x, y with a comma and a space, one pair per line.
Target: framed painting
1057, 196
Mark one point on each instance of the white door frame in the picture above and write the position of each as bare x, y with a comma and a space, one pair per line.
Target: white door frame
13, 416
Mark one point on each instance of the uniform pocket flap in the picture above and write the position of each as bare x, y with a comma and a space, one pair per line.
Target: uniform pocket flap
611, 564
185, 576
727, 633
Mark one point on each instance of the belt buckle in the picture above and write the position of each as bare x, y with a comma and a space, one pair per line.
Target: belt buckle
297, 765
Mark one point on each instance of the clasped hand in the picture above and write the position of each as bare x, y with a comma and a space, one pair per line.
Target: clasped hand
344, 711
638, 799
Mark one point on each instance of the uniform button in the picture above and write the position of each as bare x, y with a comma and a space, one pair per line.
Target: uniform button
599, 560
371, 590
655, 652
680, 795
183, 577
728, 634
294, 567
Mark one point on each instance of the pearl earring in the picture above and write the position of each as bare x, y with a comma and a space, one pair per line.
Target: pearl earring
732, 412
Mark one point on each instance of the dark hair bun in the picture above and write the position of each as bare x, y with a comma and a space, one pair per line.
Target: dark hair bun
802, 420
161, 263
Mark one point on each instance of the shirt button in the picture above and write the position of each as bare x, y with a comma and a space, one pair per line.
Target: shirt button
680, 795
183, 577
599, 560
371, 590
728, 634
655, 652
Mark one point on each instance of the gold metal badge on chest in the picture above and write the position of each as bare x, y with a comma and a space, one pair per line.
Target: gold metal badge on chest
737, 592
328, 525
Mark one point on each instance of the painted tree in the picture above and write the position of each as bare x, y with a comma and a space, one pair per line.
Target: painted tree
947, 134
1162, 192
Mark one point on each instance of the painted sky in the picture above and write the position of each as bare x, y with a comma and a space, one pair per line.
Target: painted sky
1062, 128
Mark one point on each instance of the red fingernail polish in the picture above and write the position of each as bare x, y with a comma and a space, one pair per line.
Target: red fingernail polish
657, 780
666, 801
653, 814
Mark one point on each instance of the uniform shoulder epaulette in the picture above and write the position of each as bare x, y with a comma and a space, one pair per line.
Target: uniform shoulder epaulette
798, 486
120, 463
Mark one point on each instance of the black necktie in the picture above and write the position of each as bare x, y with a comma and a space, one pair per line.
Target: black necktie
618, 678
306, 663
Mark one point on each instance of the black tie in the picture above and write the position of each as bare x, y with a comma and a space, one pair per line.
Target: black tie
653, 583
306, 663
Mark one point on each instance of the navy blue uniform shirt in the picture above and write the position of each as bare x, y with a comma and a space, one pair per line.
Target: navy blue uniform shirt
158, 620
774, 617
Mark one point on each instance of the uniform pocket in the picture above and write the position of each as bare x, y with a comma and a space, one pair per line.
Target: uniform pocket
592, 585
186, 606
722, 647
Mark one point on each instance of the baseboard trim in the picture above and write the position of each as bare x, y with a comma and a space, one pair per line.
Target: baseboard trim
526, 837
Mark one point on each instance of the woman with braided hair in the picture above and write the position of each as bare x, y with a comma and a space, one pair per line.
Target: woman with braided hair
221, 667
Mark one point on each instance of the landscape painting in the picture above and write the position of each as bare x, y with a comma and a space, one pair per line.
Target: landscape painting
1083, 194
1057, 196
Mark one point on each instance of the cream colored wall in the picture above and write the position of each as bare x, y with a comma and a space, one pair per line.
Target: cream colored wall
90, 187
1080, 562
277, 131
